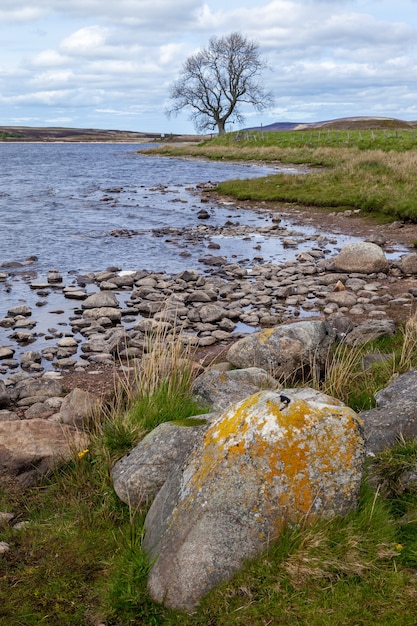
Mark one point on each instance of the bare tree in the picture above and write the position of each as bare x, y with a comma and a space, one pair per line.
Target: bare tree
219, 78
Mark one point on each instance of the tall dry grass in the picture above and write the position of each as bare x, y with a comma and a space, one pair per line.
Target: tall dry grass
150, 390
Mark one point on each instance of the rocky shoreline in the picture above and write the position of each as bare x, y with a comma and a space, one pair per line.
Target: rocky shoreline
112, 324
359, 293
207, 309
111, 313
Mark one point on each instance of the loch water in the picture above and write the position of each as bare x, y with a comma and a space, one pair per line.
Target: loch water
82, 208
63, 203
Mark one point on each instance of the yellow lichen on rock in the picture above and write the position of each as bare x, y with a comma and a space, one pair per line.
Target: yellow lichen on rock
301, 452
265, 334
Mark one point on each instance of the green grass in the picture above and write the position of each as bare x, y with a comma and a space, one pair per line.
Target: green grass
364, 139
79, 561
340, 572
375, 182
373, 171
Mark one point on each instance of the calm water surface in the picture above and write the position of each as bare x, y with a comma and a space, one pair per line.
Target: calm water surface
61, 202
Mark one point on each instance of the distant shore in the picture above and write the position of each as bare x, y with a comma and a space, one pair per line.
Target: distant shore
25, 134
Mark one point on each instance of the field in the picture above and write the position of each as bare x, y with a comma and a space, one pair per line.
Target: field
370, 170
78, 560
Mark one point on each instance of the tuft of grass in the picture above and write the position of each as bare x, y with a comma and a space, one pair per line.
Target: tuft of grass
407, 356
346, 378
153, 390
393, 471
80, 556
389, 468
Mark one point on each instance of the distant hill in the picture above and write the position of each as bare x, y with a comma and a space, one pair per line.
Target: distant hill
91, 135
26, 133
343, 123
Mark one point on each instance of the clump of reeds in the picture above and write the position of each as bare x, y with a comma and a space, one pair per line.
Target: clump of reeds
150, 390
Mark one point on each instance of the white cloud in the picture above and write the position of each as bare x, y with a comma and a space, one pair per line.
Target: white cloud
85, 41
170, 53
49, 58
24, 13
133, 12
40, 97
53, 78
59, 120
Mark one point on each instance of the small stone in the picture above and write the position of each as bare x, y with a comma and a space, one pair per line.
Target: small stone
6, 517
67, 342
19, 310
6, 352
339, 286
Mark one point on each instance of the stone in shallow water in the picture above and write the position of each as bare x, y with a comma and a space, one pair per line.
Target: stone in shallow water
6, 352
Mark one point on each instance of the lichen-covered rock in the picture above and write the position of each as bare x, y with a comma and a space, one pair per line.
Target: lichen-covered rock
274, 458
287, 350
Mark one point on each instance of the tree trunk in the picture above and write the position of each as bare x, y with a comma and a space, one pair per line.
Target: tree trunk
220, 127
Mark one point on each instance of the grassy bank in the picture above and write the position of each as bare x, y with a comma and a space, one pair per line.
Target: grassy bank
78, 561
369, 170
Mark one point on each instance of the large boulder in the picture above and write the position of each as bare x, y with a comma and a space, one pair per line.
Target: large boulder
31, 448
395, 416
269, 460
139, 475
218, 390
286, 351
363, 257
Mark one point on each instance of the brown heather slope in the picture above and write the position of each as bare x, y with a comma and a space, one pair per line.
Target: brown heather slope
26, 133
343, 123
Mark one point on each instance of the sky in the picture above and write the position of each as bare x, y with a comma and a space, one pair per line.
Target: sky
109, 64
